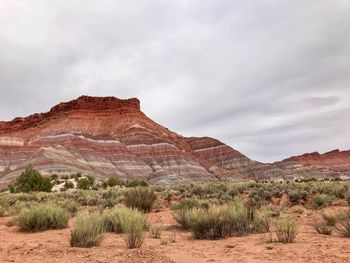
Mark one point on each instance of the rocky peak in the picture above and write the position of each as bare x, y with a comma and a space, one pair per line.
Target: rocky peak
96, 103
80, 104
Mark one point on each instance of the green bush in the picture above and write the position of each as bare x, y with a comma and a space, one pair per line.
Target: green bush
68, 185
85, 183
219, 221
88, 230
183, 217
112, 181
141, 198
321, 200
42, 217
286, 229
31, 181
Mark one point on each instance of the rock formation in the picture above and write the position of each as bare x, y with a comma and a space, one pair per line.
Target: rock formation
105, 136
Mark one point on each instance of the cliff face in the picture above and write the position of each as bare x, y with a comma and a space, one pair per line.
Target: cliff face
107, 136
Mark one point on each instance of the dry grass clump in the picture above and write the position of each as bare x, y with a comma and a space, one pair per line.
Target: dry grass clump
88, 230
326, 225
132, 222
42, 217
286, 229
217, 221
344, 224
262, 221
155, 231
141, 198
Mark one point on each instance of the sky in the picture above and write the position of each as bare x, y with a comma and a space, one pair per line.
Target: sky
271, 78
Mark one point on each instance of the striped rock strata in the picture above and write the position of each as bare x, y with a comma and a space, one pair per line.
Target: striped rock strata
105, 136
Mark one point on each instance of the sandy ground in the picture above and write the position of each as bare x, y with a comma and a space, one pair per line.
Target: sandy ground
53, 246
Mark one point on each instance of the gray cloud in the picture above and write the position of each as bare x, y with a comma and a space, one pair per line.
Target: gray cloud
270, 78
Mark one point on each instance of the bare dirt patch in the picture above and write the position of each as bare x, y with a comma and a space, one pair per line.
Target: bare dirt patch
53, 246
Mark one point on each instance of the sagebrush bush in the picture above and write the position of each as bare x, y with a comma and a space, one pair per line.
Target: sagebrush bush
344, 224
42, 217
219, 221
286, 229
183, 217
321, 200
141, 198
88, 230
114, 217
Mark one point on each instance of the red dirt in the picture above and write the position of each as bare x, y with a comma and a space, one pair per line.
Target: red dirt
53, 246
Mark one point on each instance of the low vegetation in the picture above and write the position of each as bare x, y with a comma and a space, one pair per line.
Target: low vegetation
88, 230
344, 224
42, 217
141, 198
31, 181
286, 229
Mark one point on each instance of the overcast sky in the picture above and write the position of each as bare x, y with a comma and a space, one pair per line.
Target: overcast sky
269, 78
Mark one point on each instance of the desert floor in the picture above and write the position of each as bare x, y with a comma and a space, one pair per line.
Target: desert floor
53, 246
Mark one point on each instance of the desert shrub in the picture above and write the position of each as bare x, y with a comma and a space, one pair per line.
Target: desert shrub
219, 221
111, 198
322, 227
347, 196
295, 196
113, 218
321, 200
112, 181
183, 217
155, 231
2, 211
344, 224
286, 229
207, 224
31, 181
330, 217
298, 209
42, 217
85, 183
68, 184
259, 197
262, 221
70, 206
133, 226
141, 198
88, 230
326, 224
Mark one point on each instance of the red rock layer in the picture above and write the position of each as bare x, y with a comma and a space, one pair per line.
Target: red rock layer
108, 136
